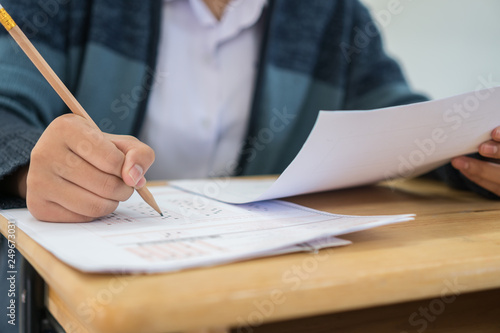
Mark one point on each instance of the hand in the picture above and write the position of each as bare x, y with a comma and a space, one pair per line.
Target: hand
484, 173
78, 173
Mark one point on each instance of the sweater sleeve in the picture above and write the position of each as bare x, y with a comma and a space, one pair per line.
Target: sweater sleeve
17, 139
27, 102
374, 79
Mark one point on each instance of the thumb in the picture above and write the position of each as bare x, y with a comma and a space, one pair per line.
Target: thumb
138, 158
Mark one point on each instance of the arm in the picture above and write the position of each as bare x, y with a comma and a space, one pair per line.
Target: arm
17, 139
75, 172
374, 80
27, 103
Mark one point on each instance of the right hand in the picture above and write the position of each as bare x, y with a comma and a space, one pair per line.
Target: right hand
77, 173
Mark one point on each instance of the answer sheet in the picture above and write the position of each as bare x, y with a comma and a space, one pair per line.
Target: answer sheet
352, 148
194, 232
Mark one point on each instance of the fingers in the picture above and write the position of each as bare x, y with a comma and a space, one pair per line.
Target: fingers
54, 199
485, 174
491, 149
94, 180
74, 173
138, 158
72, 149
77, 173
80, 201
89, 143
69, 203
53, 212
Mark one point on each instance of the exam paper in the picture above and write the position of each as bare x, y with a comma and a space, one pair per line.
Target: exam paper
352, 148
194, 232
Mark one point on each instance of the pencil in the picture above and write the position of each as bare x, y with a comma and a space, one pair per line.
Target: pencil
58, 85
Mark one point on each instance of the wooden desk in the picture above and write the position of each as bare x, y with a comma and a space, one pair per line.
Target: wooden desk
442, 270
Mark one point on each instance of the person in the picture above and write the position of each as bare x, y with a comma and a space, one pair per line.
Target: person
199, 82
188, 95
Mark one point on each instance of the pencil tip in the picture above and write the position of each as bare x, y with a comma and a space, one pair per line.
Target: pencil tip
161, 214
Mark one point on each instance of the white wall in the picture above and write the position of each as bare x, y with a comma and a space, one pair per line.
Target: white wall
443, 45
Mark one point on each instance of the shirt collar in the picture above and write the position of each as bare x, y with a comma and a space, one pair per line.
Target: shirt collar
244, 13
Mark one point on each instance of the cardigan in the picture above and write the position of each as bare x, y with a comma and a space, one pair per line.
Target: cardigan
315, 55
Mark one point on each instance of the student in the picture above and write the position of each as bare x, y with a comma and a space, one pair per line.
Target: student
196, 81
195, 89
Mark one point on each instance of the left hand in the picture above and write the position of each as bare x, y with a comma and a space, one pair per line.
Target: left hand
484, 173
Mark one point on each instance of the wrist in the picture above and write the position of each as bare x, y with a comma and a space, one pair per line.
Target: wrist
15, 184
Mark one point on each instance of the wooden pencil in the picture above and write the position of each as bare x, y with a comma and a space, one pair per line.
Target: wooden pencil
56, 83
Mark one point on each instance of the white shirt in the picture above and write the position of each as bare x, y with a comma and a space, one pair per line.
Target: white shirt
198, 112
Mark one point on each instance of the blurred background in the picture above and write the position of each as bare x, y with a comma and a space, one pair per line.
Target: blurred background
444, 46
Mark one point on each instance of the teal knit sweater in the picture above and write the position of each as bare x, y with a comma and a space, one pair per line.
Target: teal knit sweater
316, 55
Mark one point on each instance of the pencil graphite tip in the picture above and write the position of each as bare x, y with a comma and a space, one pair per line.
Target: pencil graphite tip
161, 214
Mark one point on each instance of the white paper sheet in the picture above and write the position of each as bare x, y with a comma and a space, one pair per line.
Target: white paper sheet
351, 148
194, 232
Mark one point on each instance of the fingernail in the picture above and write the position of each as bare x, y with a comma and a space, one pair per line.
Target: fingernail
141, 183
136, 173
461, 164
496, 134
489, 149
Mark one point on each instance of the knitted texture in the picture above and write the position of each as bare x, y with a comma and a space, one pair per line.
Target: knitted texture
316, 55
